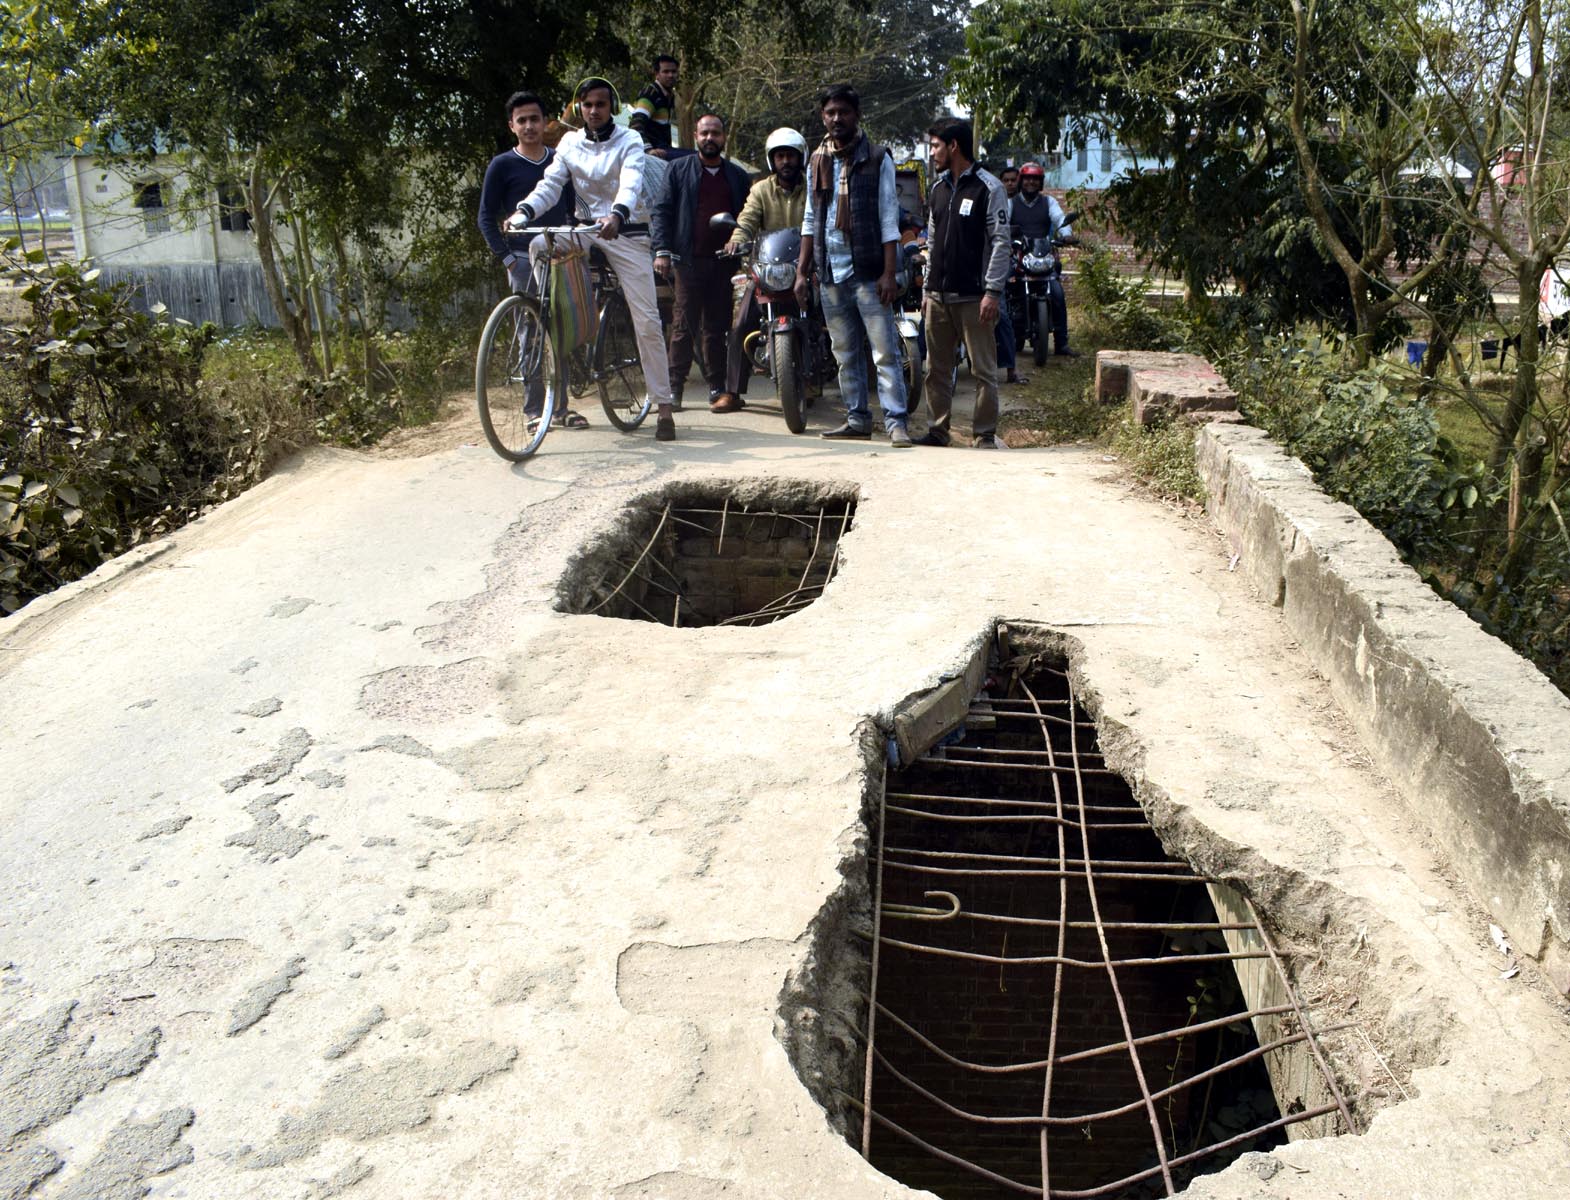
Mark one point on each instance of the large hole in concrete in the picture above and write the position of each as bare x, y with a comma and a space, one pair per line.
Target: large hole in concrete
702, 554
1052, 1003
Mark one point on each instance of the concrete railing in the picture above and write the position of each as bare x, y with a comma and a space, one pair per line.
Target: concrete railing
1473, 735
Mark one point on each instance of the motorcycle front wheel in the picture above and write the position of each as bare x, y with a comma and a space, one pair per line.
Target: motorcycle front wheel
1039, 331
910, 367
785, 352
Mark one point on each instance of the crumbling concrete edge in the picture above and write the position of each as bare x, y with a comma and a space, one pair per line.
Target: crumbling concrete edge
1475, 737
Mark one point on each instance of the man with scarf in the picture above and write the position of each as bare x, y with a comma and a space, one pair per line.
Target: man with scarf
849, 240
604, 163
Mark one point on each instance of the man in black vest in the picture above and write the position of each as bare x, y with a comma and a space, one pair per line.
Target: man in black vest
698, 187
967, 265
849, 240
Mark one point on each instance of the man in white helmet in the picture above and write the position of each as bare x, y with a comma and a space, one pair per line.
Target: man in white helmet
777, 201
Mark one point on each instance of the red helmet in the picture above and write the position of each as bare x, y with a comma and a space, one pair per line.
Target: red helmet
1032, 170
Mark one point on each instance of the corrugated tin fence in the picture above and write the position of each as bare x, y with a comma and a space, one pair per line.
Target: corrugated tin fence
227, 294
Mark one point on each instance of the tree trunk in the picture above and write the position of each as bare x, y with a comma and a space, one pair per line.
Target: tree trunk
294, 325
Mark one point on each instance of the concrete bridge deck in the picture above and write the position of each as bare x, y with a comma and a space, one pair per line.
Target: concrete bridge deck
336, 861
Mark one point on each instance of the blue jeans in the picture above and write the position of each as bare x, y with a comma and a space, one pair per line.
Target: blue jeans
853, 311
1005, 337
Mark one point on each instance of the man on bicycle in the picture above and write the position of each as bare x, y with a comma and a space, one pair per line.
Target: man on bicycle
604, 164
510, 177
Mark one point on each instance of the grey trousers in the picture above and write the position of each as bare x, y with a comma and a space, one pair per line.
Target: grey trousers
946, 325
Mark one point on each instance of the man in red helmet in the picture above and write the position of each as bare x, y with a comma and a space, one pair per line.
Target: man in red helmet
1034, 214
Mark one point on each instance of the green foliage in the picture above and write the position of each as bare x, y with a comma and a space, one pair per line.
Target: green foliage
1162, 455
1365, 440
1116, 304
108, 433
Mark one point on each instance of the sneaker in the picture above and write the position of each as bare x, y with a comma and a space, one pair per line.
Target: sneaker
1065, 352
899, 438
847, 432
988, 441
665, 429
933, 437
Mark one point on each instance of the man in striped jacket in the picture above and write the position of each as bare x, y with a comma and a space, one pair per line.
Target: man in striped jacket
967, 267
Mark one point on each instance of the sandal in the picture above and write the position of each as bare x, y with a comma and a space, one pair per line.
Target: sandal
573, 420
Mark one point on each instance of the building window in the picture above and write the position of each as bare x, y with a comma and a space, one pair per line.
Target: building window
233, 215
1082, 159
149, 197
1106, 156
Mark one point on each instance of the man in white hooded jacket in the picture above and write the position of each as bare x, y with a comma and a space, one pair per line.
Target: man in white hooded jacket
605, 164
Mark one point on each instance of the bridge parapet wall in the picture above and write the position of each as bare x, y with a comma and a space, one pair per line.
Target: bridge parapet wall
1474, 736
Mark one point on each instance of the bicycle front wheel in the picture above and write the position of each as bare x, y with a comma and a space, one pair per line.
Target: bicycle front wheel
517, 378
617, 368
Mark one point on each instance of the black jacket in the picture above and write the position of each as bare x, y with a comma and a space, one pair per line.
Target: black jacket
968, 241
673, 216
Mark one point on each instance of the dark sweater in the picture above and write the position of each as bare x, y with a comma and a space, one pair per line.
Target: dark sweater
675, 216
509, 178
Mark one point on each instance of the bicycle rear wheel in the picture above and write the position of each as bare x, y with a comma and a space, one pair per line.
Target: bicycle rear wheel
517, 362
617, 368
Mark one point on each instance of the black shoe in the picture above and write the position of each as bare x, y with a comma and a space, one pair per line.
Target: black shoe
665, 429
847, 433
988, 441
933, 437
1065, 352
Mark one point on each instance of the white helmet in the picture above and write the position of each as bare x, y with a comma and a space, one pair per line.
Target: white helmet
784, 138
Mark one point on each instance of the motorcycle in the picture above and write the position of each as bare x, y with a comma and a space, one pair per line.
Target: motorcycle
1035, 289
907, 317
790, 346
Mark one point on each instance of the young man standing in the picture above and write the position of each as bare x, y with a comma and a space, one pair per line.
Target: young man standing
777, 201
655, 106
698, 188
604, 164
849, 240
510, 177
1009, 176
967, 265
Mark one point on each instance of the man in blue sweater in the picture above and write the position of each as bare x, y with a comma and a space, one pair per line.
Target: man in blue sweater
510, 177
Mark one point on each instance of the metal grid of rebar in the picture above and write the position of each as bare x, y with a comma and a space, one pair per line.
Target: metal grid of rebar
651, 570
1064, 814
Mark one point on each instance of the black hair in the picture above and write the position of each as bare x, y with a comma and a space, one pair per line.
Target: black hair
840, 91
953, 129
1005, 169
593, 84
724, 126
519, 100
665, 58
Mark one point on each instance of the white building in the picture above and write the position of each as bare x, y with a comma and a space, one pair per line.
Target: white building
194, 254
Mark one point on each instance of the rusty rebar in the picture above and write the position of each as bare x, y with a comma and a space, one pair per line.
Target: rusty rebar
654, 537
872, 1001
1149, 877
1011, 766
992, 820
1112, 975
1302, 1017
1046, 960
995, 802
1148, 1039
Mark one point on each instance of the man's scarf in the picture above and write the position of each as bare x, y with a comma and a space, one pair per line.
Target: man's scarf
854, 152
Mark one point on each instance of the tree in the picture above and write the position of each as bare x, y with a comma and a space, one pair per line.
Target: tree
342, 122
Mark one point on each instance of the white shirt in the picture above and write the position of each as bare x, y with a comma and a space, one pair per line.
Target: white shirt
603, 174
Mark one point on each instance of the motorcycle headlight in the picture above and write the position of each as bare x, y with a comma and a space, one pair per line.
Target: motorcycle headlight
1037, 264
778, 277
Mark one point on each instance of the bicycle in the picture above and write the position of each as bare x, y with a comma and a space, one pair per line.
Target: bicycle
518, 354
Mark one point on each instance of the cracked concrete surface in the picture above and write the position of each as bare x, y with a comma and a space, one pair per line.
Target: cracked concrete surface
529, 927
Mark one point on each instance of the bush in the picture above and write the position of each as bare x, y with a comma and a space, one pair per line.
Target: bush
1117, 305
1162, 455
108, 436
1366, 442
